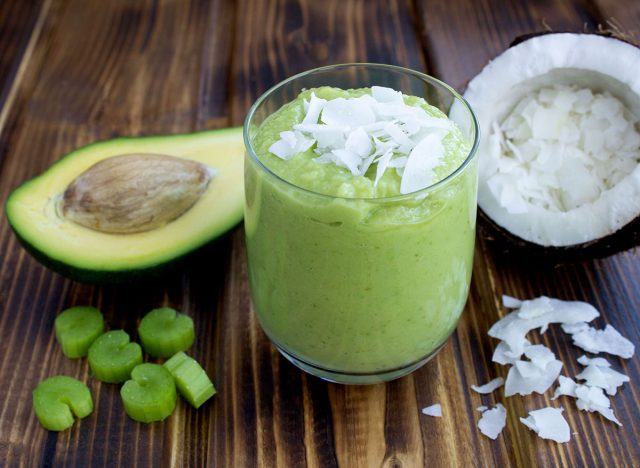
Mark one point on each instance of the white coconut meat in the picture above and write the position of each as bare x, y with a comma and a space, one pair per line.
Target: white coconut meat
559, 158
548, 423
433, 410
489, 386
492, 421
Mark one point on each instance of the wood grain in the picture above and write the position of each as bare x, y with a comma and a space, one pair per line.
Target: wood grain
74, 71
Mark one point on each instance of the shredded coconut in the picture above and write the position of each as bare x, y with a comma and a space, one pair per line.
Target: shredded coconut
433, 410
548, 423
489, 386
381, 129
608, 341
493, 421
556, 134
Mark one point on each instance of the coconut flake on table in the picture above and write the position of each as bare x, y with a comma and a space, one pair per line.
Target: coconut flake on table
492, 421
608, 341
356, 133
538, 313
536, 375
548, 423
489, 386
511, 302
572, 328
598, 373
433, 410
588, 398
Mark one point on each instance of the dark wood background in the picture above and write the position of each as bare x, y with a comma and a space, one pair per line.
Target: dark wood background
75, 71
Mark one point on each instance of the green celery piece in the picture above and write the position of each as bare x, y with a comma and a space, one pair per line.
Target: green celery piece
163, 332
57, 399
191, 379
113, 356
78, 327
150, 395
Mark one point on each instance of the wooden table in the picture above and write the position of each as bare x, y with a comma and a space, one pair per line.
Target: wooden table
76, 71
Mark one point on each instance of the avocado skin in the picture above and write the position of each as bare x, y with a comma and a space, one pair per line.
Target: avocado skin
115, 277
149, 271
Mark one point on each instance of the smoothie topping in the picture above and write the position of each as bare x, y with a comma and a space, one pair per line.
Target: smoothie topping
377, 128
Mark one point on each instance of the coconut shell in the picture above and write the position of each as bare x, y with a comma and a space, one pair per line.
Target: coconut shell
507, 243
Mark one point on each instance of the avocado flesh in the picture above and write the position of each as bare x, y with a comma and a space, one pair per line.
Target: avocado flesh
92, 256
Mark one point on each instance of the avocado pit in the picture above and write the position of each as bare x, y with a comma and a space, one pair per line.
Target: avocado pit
134, 192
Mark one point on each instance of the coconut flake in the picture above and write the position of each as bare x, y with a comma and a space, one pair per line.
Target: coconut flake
511, 302
383, 94
593, 399
489, 386
571, 328
290, 144
525, 378
588, 398
433, 410
566, 386
353, 112
378, 129
540, 355
493, 421
359, 142
602, 376
313, 110
608, 341
548, 423
539, 313
423, 159
504, 355
599, 361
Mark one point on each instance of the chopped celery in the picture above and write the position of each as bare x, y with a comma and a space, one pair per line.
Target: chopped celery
150, 395
191, 379
113, 356
78, 327
163, 332
57, 399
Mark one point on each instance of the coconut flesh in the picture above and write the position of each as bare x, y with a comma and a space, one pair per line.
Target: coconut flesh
560, 153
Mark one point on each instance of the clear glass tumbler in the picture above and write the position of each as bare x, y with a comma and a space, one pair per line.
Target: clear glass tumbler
360, 290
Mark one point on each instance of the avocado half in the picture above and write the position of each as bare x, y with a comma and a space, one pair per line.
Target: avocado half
88, 255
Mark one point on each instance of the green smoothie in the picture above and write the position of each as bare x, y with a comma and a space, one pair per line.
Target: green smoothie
349, 275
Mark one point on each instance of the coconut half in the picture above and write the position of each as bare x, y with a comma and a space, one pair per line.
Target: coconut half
559, 115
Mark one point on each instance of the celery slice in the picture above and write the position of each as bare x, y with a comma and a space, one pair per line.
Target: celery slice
78, 327
113, 356
57, 399
191, 379
150, 395
163, 332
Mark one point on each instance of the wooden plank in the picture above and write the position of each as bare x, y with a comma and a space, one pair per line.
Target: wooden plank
282, 38
620, 17
300, 417
16, 29
474, 34
100, 70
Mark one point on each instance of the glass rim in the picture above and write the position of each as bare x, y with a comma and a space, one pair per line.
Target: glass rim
407, 71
